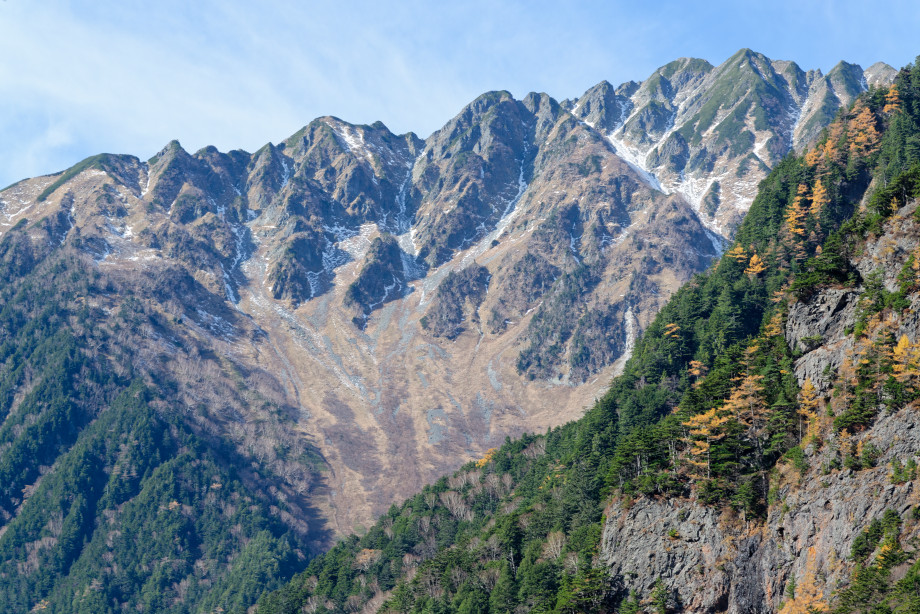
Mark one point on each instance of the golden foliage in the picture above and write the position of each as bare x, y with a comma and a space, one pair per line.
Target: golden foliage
774, 327
485, 460
670, 331
697, 370
906, 361
819, 199
809, 595
737, 253
756, 266
814, 156
808, 405
795, 214
865, 139
704, 430
892, 101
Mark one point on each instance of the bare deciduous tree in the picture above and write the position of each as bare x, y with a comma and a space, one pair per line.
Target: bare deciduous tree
555, 544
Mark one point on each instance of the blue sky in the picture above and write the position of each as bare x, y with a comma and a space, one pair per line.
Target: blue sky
79, 78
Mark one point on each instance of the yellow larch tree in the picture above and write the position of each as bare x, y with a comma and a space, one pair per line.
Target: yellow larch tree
808, 597
697, 371
808, 404
892, 101
795, 214
671, 331
818, 199
704, 430
865, 138
814, 156
746, 404
906, 362
755, 267
737, 253
774, 327
485, 460
831, 148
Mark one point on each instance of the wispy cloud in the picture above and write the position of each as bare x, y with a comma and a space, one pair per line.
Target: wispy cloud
80, 77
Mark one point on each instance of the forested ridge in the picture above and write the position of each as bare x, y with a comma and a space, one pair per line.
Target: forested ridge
109, 498
707, 407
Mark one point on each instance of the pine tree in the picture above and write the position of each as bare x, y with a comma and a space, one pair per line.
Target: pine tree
502, 598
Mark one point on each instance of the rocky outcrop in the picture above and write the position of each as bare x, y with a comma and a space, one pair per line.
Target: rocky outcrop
382, 278
818, 329
457, 300
719, 562
800, 555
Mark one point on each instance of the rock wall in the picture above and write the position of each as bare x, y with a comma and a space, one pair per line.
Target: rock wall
713, 560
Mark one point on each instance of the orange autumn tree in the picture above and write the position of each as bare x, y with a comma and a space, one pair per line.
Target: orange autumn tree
818, 199
737, 253
865, 137
892, 101
795, 214
831, 148
808, 404
671, 331
814, 156
906, 362
704, 430
746, 404
697, 371
755, 267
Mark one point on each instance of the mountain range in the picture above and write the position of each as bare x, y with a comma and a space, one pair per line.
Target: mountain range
331, 322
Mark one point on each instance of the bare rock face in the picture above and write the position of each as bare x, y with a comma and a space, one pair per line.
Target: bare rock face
713, 563
817, 328
682, 543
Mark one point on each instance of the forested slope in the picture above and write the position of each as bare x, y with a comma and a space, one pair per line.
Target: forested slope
110, 498
711, 410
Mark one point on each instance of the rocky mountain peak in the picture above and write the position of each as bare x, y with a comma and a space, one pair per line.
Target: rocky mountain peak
712, 133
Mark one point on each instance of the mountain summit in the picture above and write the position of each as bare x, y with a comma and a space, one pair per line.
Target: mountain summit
712, 133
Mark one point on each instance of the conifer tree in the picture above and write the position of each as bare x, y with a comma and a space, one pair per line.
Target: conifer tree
738, 254
755, 267
865, 139
808, 404
892, 101
819, 199
704, 430
795, 215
